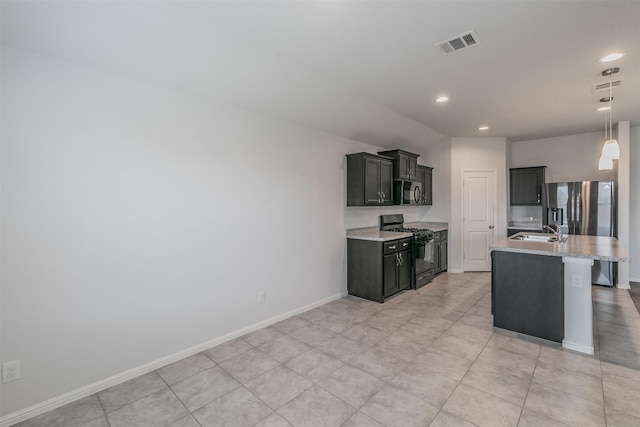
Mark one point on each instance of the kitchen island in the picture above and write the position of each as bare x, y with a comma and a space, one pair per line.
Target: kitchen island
544, 288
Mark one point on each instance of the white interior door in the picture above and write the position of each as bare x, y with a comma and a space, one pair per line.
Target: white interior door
478, 219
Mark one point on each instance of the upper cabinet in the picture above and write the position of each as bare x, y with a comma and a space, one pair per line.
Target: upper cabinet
424, 176
369, 180
526, 185
405, 164
374, 180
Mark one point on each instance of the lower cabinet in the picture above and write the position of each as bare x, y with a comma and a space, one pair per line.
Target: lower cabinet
376, 270
441, 247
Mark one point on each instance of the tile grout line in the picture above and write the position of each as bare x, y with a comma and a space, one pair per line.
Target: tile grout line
179, 400
103, 410
597, 326
530, 383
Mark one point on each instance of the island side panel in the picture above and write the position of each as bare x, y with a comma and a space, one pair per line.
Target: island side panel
528, 294
364, 269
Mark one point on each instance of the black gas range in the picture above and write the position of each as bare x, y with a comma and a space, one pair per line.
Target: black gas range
423, 252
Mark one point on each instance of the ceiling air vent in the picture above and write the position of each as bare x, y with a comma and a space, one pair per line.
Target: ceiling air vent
454, 44
605, 86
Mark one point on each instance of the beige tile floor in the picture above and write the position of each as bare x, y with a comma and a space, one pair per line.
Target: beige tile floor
424, 358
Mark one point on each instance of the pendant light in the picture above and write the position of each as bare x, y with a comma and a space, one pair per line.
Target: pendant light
605, 163
610, 149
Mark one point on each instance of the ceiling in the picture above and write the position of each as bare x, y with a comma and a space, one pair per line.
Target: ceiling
364, 70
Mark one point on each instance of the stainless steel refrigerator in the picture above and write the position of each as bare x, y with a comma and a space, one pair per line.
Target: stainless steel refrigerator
587, 208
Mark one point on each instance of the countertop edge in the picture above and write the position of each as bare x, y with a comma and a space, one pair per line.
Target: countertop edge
375, 234
560, 254
578, 246
379, 236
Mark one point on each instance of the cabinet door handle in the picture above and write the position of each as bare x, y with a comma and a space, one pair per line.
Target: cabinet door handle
392, 247
405, 244
398, 261
539, 193
401, 259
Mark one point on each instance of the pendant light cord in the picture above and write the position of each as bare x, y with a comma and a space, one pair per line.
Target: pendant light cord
610, 106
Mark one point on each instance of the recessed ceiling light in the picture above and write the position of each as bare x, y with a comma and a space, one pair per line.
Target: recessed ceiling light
612, 57
483, 128
442, 99
604, 108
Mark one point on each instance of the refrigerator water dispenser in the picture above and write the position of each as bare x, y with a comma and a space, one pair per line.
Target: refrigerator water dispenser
555, 216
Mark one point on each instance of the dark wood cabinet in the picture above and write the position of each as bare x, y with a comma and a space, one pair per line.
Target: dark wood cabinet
376, 270
404, 270
405, 164
424, 175
527, 185
390, 284
527, 294
444, 255
369, 180
441, 254
397, 266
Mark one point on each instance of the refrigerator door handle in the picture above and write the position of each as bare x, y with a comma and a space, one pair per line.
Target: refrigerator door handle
570, 210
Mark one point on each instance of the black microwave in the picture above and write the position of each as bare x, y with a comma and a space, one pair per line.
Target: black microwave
408, 193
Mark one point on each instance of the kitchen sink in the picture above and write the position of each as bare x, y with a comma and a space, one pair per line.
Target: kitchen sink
539, 237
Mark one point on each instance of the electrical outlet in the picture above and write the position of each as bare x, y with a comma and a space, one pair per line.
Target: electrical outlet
261, 297
10, 371
576, 281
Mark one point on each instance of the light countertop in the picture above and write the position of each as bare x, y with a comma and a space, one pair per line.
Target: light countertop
374, 233
590, 247
433, 226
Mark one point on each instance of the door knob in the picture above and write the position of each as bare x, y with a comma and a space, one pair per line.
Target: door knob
491, 227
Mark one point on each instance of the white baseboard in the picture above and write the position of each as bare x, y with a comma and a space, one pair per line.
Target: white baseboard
634, 279
455, 270
577, 347
72, 396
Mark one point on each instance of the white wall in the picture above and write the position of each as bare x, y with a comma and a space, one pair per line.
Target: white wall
439, 158
634, 204
138, 222
476, 153
567, 158
623, 190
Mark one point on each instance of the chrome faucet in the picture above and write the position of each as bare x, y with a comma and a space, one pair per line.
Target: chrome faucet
557, 232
